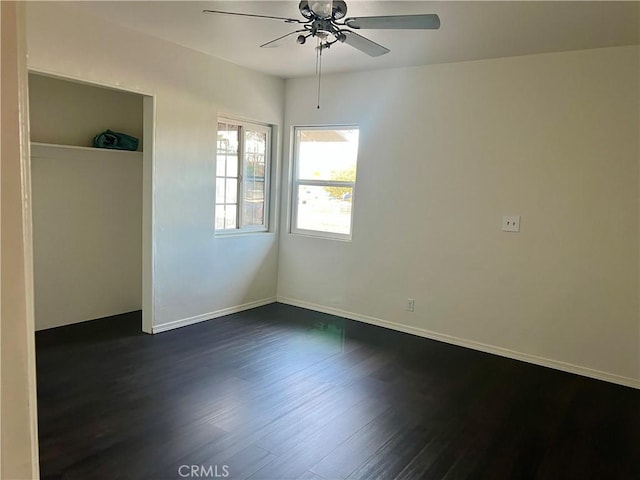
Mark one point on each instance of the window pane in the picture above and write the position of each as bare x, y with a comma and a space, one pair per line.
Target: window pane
253, 205
219, 217
325, 209
231, 191
230, 216
254, 166
226, 216
327, 154
220, 164
253, 214
232, 166
255, 154
228, 138
227, 158
256, 142
219, 190
254, 178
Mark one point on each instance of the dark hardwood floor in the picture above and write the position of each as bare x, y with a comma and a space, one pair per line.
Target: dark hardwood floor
280, 392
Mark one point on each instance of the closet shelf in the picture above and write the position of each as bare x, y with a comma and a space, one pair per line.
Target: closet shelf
51, 149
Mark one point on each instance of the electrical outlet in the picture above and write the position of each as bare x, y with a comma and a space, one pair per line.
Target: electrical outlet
511, 223
410, 304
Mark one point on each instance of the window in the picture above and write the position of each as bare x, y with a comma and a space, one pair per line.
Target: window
242, 176
324, 181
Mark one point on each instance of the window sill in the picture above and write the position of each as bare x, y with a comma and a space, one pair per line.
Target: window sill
240, 233
322, 235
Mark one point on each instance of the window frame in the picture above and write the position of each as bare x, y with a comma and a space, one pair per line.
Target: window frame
296, 182
243, 126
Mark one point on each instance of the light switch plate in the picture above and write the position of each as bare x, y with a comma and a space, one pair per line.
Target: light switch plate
511, 223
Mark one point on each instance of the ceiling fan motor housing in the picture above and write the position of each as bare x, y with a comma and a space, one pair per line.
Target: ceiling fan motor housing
323, 28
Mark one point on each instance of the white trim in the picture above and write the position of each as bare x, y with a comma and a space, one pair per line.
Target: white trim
27, 239
232, 232
482, 347
327, 183
220, 234
300, 232
15, 132
163, 327
149, 256
275, 180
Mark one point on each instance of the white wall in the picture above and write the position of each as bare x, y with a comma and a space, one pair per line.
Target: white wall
87, 224
195, 275
445, 151
71, 113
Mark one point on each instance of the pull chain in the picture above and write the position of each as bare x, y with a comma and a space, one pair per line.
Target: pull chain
317, 53
319, 70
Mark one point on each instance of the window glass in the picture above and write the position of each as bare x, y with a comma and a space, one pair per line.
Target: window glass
242, 176
325, 164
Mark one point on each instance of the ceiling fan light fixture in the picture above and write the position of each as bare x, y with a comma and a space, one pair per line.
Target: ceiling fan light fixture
339, 9
322, 8
305, 9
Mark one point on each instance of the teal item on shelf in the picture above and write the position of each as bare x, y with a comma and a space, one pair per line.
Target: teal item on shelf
115, 140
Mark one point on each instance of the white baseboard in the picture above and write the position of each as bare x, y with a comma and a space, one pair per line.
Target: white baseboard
163, 327
503, 352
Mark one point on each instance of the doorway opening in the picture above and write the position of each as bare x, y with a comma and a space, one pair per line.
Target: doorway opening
91, 207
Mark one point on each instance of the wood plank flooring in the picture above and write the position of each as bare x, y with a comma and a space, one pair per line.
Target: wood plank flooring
280, 392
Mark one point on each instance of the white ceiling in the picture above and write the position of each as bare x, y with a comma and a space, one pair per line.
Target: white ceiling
469, 31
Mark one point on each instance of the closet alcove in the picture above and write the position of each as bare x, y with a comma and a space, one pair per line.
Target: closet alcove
87, 202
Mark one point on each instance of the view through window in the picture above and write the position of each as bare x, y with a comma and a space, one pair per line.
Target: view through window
325, 163
242, 173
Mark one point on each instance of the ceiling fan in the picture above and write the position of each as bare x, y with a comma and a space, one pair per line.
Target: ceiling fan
324, 20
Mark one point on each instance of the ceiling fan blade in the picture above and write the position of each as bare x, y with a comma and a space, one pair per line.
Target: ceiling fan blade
284, 19
277, 42
429, 21
363, 44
